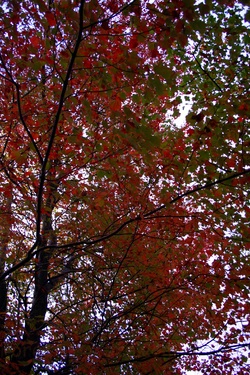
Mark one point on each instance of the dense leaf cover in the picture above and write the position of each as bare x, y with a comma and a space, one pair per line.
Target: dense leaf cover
124, 234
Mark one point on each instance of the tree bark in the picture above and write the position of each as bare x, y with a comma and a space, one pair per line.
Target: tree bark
5, 228
22, 359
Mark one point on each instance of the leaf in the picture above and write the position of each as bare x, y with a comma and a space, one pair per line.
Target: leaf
157, 85
199, 26
50, 18
164, 71
35, 41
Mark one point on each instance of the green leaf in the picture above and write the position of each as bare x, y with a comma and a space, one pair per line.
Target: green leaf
199, 25
164, 71
157, 85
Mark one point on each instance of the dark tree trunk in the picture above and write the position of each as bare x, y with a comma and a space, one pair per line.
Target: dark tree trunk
24, 355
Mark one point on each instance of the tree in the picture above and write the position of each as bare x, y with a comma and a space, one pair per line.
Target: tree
124, 237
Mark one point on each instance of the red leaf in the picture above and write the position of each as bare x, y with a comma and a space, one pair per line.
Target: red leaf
50, 18
133, 42
35, 41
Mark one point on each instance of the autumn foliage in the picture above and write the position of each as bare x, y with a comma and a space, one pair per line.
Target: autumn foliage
124, 230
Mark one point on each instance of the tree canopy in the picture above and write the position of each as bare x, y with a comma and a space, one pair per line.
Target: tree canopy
124, 233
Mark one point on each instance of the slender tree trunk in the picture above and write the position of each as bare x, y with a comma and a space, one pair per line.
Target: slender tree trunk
23, 357
3, 305
5, 227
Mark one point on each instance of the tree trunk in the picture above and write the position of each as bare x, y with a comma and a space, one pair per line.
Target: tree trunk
6, 217
22, 359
